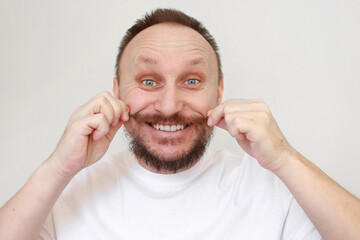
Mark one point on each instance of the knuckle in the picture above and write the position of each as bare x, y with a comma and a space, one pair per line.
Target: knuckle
227, 118
103, 125
104, 128
118, 107
266, 109
237, 122
122, 104
233, 131
117, 112
105, 93
264, 116
101, 117
227, 109
230, 119
267, 114
101, 99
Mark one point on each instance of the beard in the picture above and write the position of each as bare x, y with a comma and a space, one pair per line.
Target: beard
179, 160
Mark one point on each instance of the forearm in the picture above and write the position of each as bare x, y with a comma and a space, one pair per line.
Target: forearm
334, 211
23, 216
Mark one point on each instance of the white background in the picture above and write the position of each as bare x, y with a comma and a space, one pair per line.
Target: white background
301, 57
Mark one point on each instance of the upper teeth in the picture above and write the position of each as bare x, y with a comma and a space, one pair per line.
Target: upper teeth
168, 128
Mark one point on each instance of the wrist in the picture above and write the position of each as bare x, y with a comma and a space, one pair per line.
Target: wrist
287, 161
54, 171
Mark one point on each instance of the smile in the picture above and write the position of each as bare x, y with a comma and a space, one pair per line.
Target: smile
168, 128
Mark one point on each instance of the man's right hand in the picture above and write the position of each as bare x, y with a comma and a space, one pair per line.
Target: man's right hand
86, 138
88, 133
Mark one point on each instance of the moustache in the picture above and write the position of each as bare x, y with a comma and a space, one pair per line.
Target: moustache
176, 118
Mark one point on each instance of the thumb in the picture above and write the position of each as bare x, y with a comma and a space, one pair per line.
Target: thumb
113, 130
221, 124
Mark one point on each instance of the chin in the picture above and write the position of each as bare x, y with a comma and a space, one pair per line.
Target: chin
163, 150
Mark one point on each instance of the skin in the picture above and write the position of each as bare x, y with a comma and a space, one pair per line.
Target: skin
181, 68
334, 211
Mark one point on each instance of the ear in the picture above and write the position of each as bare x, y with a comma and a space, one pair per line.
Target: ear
220, 90
116, 89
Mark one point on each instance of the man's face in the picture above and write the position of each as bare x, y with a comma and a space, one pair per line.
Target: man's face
169, 79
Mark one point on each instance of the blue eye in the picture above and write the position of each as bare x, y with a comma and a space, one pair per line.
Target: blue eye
149, 83
191, 82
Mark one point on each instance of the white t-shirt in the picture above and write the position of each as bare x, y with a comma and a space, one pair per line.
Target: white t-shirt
221, 197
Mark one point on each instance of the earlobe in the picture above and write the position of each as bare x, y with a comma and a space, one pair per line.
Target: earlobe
116, 89
220, 90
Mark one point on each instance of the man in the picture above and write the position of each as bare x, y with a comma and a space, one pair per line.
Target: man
168, 95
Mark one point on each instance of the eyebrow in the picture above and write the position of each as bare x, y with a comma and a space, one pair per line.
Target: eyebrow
152, 61
197, 61
146, 60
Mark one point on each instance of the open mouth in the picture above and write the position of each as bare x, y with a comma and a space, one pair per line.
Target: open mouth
168, 127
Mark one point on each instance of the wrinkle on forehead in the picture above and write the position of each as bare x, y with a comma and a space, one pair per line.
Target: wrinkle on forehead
192, 61
150, 54
168, 42
167, 39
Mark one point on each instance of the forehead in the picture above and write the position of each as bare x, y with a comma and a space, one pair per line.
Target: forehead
175, 42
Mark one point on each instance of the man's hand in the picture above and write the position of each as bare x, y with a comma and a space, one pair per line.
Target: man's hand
333, 210
86, 138
255, 129
88, 133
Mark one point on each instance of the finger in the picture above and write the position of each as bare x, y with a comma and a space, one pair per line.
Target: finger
103, 106
246, 105
237, 124
100, 125
98, 104
118, 106
121, 110
243, 123
235, 105
221, 124
125, 115
96, 124
215, 115
113, 130
241, 138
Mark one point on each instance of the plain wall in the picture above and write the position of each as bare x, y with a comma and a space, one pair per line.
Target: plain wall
301, 57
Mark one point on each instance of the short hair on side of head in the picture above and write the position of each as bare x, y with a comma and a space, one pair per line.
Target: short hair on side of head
166, 15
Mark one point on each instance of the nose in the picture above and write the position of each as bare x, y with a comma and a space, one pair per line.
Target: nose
169, 101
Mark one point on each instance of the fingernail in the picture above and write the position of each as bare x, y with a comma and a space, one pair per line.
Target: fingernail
209, 121
126, 116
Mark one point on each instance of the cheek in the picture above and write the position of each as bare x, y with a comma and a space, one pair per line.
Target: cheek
138, 100
202, 103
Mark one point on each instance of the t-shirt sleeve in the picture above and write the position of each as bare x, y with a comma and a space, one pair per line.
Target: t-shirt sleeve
48, 230
298, 226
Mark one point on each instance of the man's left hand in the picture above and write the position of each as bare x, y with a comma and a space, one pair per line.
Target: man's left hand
255, 129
